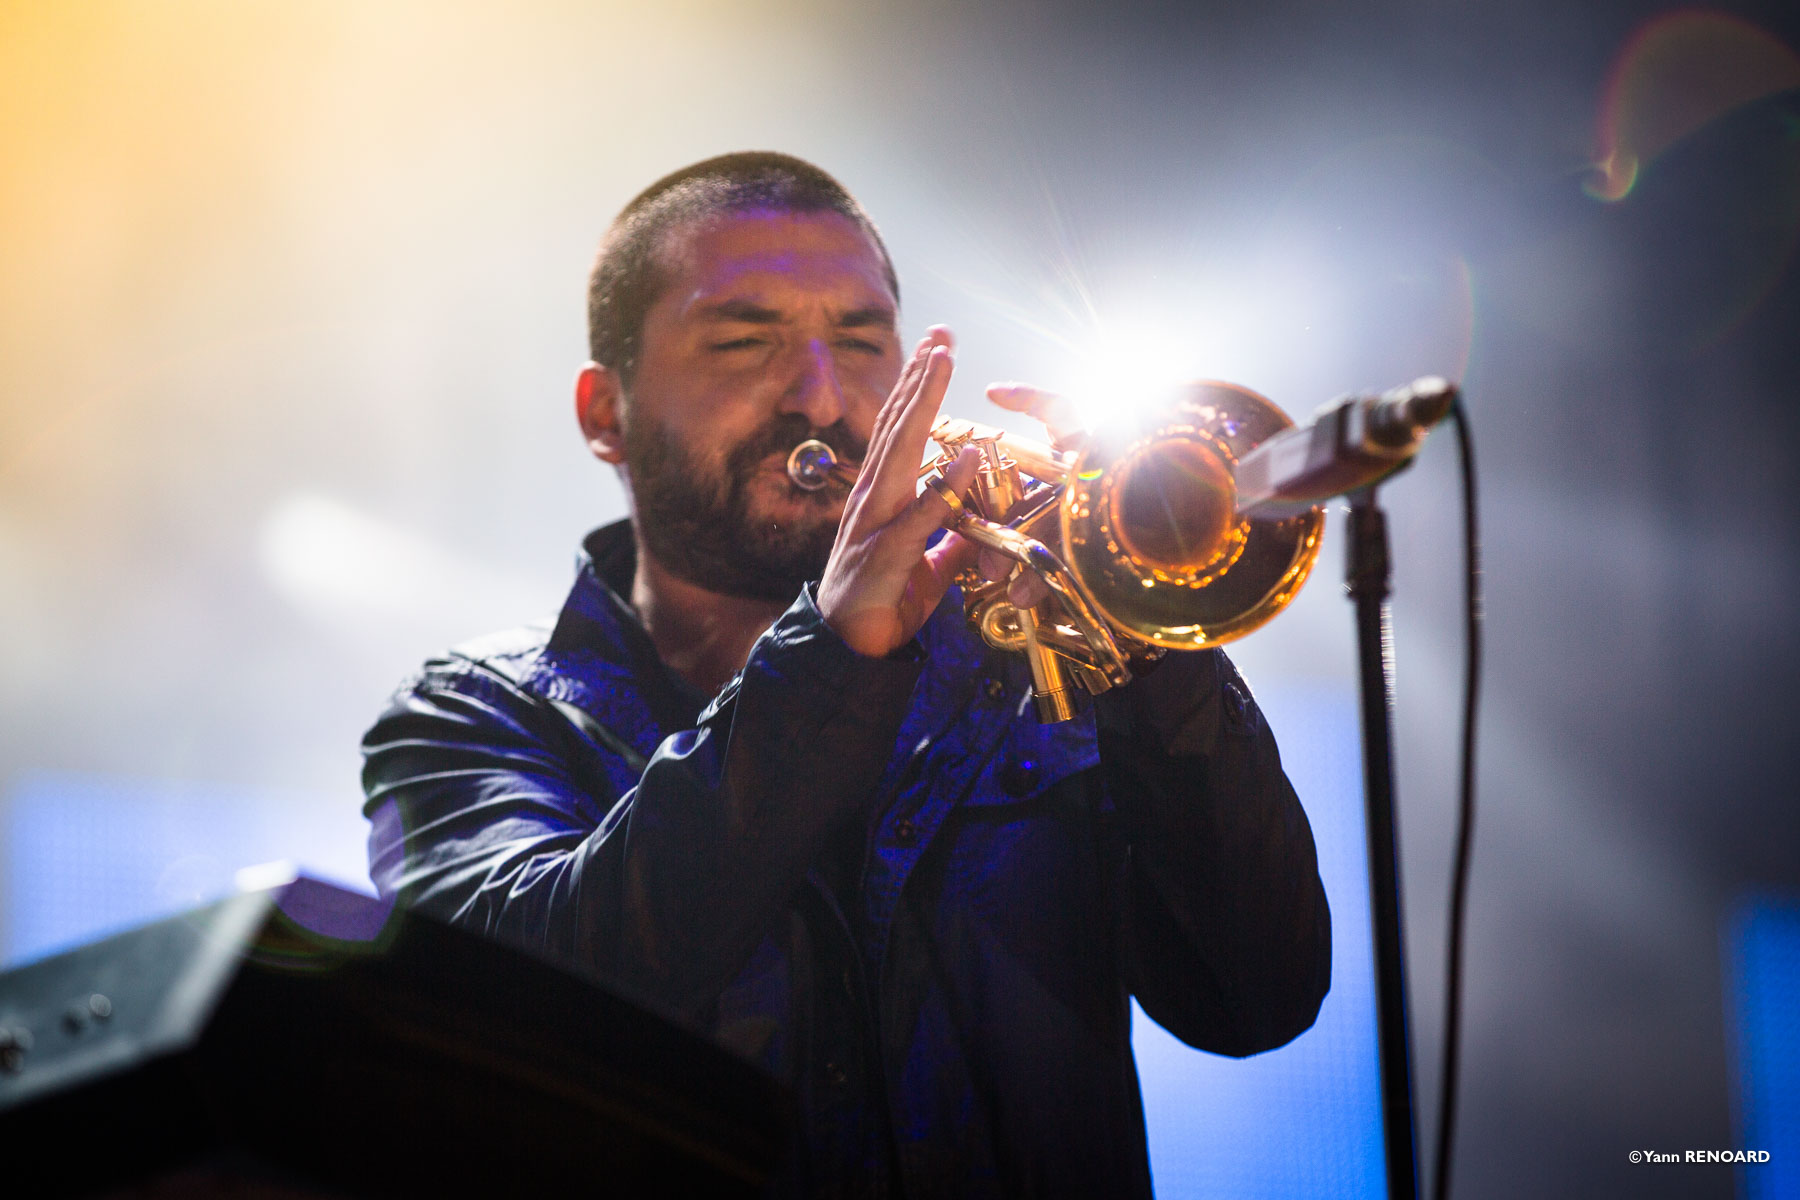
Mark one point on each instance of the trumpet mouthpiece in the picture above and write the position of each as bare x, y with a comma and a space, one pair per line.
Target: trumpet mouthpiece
812, 465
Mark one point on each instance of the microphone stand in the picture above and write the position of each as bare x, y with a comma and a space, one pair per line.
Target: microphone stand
1368, 583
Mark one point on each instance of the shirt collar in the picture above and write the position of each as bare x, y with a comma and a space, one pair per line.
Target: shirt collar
599, 625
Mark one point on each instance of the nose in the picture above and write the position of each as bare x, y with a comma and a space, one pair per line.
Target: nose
815, 390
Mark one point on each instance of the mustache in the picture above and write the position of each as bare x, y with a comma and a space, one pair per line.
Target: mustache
781, 434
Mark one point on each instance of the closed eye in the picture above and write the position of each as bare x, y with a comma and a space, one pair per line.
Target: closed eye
743, 343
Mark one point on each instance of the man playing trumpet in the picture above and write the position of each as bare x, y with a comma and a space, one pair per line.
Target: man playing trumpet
759, 774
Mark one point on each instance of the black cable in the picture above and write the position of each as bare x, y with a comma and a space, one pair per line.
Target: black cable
1465, 816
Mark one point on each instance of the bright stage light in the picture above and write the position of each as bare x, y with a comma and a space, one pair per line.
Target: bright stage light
1130, 368
1135, 362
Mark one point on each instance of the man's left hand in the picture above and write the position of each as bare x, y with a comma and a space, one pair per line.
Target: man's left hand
882, 581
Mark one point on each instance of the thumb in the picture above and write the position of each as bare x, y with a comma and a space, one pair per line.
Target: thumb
931, 510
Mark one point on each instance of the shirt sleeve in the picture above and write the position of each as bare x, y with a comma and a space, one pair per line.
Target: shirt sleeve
1228, 936
490, 809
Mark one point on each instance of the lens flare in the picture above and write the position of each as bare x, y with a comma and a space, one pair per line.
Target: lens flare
1130, 368
1677, 73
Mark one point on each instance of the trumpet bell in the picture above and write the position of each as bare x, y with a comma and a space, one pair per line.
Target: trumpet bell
1151, 532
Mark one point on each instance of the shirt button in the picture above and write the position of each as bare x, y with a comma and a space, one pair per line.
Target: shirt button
995, 689
905, 832
1019, 778
835, 1075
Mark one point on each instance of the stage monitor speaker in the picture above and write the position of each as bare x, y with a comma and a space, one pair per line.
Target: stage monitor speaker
309, 1041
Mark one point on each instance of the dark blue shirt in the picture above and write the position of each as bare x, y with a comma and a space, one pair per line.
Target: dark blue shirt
881, 879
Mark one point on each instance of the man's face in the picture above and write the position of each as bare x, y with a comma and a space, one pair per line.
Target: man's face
772, 328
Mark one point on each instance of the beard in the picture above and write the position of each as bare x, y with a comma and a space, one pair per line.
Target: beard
700, 524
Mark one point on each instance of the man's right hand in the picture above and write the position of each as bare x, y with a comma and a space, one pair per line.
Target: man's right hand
883, 579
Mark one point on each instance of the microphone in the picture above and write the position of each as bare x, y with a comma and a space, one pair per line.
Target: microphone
1351, 443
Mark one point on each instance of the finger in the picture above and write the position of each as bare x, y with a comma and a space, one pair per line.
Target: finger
930, 510
1027, 590
1058, 413
881, 435
994, 566
905, 388
1024, 398
946, 560
898, 474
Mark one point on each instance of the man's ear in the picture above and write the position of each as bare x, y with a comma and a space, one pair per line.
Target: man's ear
599, 400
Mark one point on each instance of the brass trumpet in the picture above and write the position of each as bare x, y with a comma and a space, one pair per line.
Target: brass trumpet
1136, 533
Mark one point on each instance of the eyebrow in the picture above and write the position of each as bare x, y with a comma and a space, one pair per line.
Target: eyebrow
746, 311
875, 314
749, 312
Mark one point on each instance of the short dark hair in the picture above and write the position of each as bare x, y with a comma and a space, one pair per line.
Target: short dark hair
627, 279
